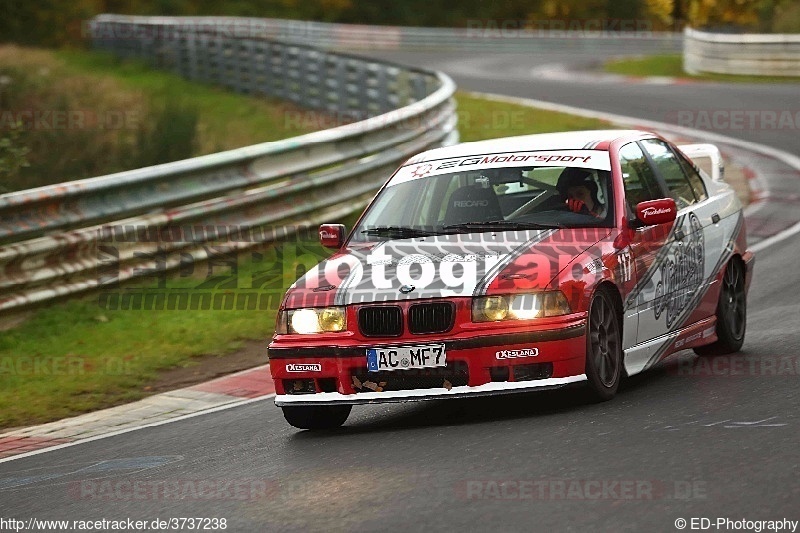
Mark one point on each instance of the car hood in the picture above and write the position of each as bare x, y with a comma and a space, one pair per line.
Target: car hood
441, 266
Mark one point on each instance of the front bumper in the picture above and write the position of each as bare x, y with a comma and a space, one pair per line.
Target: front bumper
332, 373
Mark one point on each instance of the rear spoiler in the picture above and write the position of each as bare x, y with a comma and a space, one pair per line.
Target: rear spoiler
701, 153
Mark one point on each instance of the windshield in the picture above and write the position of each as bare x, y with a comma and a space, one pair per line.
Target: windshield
489, 199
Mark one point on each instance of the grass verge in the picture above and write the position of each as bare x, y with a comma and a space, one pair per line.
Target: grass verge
480, 119
76, 356
671, 65
78, 114
82, 354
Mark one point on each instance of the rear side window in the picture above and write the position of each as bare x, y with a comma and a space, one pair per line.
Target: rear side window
670, 169
638, 176
695, 180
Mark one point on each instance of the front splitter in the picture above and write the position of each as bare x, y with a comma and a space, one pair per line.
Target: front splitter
487, 389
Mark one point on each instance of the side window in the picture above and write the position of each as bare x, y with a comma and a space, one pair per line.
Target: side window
670, 169
638, 176
695, 180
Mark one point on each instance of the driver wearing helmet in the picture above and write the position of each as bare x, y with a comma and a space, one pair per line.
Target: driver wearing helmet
580, 191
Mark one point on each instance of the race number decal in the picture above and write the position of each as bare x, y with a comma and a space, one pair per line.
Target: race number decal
625, 263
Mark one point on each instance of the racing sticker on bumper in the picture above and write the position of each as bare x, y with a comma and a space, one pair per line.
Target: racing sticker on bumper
304, 367
516, 354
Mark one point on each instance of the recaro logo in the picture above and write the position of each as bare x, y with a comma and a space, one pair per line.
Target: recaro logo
471, 203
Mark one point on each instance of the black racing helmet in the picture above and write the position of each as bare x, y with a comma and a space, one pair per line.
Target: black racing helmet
572, 177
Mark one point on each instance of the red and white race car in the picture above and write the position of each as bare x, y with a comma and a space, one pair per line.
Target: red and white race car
514, 265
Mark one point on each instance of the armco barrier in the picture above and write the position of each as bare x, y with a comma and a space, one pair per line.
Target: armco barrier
510, 35
753, 54
53, 239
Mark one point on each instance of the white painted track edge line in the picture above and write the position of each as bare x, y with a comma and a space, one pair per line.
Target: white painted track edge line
210, 410
774, 239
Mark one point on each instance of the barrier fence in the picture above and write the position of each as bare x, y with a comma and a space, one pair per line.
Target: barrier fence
52, 238
492, 35
753, 54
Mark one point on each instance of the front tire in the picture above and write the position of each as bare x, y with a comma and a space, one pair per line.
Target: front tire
731, 313
316, 417
603, 348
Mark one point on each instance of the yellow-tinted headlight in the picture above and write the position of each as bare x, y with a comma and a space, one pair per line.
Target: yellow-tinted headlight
519, 306
493, 308
332, 319
489, 308
556, 304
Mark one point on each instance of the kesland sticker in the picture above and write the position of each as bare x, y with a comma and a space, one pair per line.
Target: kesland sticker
306, 367
516, 354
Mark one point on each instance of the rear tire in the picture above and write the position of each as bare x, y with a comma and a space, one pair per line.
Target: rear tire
316, 417
731, 313
603, 348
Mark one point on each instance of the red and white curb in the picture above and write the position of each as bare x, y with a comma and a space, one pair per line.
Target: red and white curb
237, 389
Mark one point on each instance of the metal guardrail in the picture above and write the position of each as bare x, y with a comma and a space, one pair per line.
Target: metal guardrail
754, 54
67, 238
490, 37
479, 35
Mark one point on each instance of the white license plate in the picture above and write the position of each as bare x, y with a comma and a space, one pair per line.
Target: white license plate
405, 357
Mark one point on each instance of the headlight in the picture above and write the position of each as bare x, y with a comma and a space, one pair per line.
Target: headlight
519, 306
491, 308
312, 320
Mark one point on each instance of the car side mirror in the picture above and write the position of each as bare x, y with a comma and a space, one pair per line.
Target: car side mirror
332, 235
654, 212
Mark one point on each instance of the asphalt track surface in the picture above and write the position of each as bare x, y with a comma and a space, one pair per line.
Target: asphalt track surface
690, 438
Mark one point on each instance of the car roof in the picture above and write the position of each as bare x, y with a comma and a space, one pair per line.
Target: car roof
569, 140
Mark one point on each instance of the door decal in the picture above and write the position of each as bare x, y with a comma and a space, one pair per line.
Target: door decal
681, 275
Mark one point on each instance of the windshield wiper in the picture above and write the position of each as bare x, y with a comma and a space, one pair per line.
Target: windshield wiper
503, 225
401, 232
